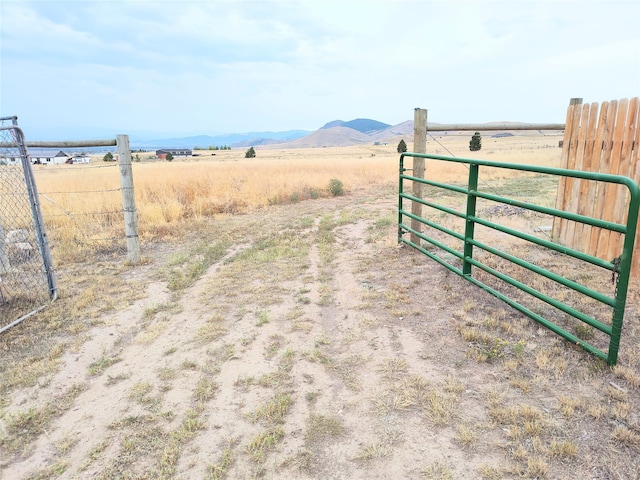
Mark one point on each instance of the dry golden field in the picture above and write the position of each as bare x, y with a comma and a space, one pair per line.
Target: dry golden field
81, 205
274, 330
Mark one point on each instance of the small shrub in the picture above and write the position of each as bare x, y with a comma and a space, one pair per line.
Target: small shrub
336, 187
251, 153
274, 200
475, 144
519, 348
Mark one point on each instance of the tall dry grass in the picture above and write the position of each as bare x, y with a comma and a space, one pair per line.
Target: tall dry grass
82, 205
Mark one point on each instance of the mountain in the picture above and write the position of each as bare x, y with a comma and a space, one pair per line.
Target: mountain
232, 139
362, 125
355, 132
404, 129
330, 137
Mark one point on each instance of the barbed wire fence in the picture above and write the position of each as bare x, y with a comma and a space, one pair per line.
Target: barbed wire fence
79, 229
88, 228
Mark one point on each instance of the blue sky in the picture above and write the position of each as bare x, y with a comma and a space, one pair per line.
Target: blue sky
72, 69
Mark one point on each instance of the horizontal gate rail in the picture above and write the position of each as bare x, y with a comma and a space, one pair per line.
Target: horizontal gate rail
620, 266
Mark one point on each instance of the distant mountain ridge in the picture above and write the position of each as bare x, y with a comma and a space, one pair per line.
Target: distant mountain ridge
352, 132
362, 125
231, 139
336, 133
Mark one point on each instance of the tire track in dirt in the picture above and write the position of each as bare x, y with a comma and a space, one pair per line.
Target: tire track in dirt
293, 326
382, 439
103, 401
360, 342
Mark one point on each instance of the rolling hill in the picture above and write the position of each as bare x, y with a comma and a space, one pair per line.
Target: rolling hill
362, 125
330, 137
232, 139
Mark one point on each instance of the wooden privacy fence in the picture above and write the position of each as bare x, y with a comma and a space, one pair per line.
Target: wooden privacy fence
603, 139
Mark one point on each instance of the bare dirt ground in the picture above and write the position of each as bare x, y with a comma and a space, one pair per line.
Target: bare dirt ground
302, 342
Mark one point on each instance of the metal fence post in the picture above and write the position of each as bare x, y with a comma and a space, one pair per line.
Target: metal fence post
5, 266
470, 224
128, 199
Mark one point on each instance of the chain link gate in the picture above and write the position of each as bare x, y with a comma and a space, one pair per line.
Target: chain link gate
27, 281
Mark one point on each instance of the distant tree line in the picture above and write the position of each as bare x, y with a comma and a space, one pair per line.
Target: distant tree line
213, 147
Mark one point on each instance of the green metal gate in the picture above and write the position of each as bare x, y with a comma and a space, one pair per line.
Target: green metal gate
468, 258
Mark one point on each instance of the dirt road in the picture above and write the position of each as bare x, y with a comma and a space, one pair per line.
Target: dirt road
311, 346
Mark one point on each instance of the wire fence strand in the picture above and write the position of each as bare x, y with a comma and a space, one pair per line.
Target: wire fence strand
81, 192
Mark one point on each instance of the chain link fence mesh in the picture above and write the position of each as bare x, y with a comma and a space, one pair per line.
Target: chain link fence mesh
26, 276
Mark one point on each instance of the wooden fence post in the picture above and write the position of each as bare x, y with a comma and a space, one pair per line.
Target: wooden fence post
128, 199
419, 146
564, 184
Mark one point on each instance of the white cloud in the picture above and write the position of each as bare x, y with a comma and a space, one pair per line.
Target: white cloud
602, 56
258, 65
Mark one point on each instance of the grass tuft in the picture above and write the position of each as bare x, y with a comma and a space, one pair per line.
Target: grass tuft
264, 442
219, 470
627, 437
437, 471
205, 389
99, 366
273, 411
320, 427
439, 407
372, 451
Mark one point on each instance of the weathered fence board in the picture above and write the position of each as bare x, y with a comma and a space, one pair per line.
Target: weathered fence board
564, 184
587, 189
604, 140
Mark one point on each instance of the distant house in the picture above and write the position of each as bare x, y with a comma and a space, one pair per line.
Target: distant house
80, 158
48, 157
8, 160
176, 152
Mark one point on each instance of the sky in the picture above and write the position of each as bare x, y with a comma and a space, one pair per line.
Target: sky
92, 69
